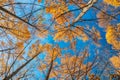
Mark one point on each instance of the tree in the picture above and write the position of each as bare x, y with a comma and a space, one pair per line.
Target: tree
59, 39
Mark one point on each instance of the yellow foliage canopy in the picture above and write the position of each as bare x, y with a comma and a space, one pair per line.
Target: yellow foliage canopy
56, 10
72, 64
53, 52
35, 49
20, 31
115, 3
113, 36
16, 28
115, 61
19, 50
68, 34
20, 46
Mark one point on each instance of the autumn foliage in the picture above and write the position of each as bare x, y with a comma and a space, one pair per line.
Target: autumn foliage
59, 40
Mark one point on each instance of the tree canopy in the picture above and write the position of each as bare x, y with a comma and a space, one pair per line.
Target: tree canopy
59, 39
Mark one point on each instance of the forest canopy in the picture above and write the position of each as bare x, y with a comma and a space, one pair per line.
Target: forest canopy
59, 39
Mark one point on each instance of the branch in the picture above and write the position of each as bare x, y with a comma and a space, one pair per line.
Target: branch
105, 12
21, 67
49, 71
6, 11
17, 57
7, 49
85, 9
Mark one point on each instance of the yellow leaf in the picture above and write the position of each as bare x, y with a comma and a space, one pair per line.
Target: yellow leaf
54, 52
112, 36
39, 0
56, 10
20, 45
42, 67
68, 34
60, 35
115, 3
47, 47
35, 49
19, 30
115, 61
53, 74
19, 50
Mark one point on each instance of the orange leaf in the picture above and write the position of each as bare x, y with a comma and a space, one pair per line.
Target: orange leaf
39, 0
